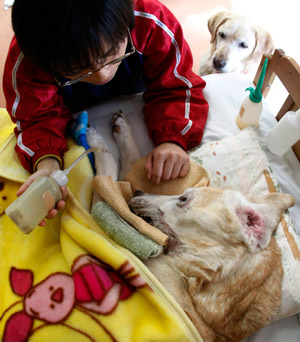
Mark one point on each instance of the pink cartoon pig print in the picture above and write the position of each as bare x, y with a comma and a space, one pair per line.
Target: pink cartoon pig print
94, 286
52, 299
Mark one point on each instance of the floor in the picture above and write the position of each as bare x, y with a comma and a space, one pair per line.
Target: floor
192, 14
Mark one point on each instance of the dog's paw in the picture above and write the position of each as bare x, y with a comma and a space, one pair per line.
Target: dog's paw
119, 123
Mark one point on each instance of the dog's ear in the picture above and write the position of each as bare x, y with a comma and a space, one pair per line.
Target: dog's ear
215, 21
277, 199
261, 219
264, 44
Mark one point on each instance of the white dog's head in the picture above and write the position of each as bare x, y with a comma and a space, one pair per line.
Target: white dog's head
214, 216
237, 43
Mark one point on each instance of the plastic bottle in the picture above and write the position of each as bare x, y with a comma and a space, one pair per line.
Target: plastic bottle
251, 107
284, 134
28, 210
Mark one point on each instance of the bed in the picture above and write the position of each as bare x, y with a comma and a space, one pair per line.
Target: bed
73, 244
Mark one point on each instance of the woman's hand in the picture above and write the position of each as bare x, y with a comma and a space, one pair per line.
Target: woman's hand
166, 161
44, 168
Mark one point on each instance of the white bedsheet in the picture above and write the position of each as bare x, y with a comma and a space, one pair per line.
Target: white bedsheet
224, 93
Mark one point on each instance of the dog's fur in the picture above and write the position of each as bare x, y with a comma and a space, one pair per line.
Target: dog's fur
222, 267
222, 264
237, 44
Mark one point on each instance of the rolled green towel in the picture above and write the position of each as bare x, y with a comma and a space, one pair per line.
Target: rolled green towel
123, 233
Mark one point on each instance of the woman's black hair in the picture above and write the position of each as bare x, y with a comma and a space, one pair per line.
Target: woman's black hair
64, 37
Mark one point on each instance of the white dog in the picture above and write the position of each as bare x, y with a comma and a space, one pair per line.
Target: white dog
237, 44
222, 266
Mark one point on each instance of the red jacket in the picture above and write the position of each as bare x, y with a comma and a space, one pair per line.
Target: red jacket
175, 109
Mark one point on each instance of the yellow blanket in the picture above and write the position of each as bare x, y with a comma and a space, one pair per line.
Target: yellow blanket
68, 281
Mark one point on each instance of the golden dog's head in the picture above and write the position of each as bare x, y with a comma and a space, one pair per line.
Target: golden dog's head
214, 216
237, 42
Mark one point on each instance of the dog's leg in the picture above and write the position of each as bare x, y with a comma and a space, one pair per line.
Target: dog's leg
105, 163
129, 152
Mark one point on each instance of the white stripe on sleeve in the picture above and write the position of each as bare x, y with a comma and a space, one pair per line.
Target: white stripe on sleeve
178, 59
23, 147
14, 83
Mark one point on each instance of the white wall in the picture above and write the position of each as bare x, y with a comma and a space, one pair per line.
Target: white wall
280, 18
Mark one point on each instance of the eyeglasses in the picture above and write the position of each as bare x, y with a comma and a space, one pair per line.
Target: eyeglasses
91, 72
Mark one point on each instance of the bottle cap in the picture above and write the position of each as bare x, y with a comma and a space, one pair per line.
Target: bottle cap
255, 94
60, 177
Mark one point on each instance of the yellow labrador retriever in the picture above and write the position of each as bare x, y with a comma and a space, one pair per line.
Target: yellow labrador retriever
222, 265
237, 44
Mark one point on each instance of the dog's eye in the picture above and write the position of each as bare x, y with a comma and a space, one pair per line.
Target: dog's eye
222, 35
183, 199
243, 45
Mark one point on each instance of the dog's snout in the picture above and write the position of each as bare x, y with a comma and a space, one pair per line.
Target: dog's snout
218, 63
138, 193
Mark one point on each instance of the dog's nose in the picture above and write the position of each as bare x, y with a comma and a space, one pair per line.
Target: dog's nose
219, 63
138, 193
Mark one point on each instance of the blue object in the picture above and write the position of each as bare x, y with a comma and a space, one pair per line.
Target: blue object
79, 133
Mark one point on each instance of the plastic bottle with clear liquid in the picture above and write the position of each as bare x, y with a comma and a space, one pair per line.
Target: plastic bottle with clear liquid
28, 210
251, 107
284, 134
